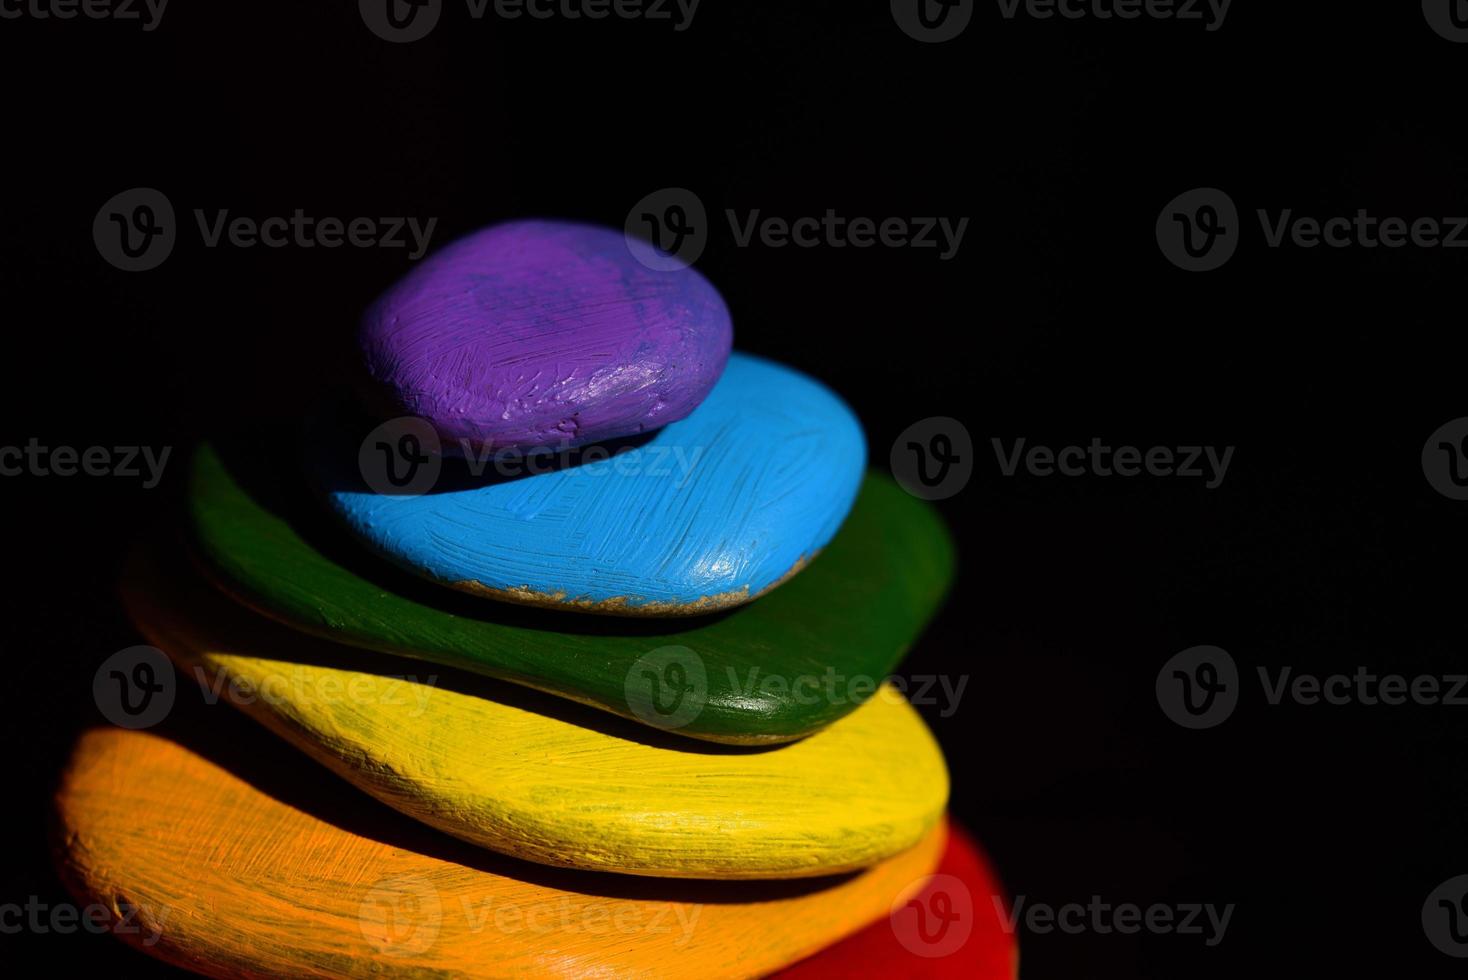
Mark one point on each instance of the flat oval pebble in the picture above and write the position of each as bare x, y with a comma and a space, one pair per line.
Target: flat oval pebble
770, 671
710, 512
545, 780
224, 856
543, 333
953, 926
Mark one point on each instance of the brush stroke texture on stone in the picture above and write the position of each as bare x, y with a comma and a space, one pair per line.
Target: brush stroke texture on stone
850, 616
709, 513
228, 857
543, 334
545, 780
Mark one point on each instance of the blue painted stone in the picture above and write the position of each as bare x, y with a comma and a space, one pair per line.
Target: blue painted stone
705, 513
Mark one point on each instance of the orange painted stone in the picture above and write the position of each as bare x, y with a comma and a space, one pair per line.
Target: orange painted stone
231, 857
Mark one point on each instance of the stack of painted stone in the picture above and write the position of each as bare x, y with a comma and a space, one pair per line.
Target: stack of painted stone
611, 511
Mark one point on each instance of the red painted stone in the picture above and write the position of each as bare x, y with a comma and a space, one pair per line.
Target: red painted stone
974, 945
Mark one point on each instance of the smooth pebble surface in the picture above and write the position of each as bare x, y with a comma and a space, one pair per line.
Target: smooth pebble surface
709, 513
224, 855
770, 671
539, 778
543, 333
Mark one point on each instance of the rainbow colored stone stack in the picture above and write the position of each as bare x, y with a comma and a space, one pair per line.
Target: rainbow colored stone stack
600, 610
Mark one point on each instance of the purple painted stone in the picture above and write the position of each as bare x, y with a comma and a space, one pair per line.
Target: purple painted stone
543, 334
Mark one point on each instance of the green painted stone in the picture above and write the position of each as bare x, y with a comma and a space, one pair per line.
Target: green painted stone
774, 670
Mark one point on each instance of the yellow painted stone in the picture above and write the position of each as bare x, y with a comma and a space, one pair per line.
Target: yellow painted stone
225, 860
547, 780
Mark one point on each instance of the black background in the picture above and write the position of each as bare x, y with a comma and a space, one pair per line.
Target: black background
1059, 320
